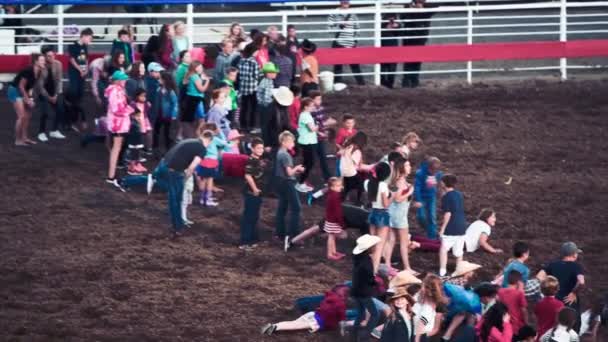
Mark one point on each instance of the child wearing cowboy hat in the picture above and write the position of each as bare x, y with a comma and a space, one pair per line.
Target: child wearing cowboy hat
462, 301
364, 283
400, 324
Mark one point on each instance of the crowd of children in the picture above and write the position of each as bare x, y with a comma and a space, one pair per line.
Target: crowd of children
246, 100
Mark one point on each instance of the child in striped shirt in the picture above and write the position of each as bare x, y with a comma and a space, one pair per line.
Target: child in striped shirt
334, 219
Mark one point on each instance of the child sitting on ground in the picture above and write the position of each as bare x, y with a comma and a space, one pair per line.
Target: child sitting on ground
334, 220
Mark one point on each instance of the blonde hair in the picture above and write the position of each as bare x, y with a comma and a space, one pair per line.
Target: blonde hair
286, 135
409, 137
433, 290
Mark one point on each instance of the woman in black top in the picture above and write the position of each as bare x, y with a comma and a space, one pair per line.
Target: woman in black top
20, 95
364, 284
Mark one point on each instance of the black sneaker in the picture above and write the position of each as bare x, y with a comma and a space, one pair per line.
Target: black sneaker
269, 329
115, 183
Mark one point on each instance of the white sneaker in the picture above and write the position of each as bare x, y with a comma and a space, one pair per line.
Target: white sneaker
42, 137
303, 187
286, 244
56, 135
211, 203
149, 183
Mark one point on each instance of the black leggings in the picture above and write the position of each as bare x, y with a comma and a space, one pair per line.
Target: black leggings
248, 108
352, 183
166, 126
308, 154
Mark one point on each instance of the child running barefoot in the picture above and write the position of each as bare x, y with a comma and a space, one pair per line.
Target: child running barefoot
379, 218
399, 209
334, 219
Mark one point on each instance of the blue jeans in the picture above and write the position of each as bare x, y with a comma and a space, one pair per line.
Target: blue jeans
288, 199
160, 181
427, 216
249, 220
363, 304
176, 188
321, 150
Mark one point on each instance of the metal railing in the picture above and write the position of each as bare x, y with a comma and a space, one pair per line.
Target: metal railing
478, 22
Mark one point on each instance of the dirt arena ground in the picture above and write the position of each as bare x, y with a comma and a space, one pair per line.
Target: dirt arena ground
80, 261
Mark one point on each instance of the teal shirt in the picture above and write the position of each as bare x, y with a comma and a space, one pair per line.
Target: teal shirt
192, 90
213, 150
305, 135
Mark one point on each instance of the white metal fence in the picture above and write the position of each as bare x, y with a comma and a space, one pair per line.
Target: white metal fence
474, 22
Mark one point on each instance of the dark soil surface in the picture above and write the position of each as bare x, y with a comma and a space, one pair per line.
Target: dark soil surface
80, 261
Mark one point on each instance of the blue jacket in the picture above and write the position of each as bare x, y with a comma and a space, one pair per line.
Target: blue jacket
151, 91
420, 189
165, 105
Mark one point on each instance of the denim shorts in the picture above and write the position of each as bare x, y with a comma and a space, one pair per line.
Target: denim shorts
207, 172
379, 218
13, 94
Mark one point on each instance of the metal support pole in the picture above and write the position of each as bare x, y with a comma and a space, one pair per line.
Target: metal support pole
190, 25
59, 10
469, 42
377, 38
563, 37
284, 24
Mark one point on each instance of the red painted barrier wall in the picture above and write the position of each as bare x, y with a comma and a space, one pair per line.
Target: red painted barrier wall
431, 53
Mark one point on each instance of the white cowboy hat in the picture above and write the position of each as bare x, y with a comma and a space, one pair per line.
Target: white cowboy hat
464, 267
339, 86
365, 242
403, 278
283, 95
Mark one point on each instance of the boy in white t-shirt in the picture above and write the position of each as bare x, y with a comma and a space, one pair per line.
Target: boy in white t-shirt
478, 232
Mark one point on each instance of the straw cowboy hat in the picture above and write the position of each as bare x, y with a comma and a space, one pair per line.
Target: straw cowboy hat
402, 292
365, 242
283, 95
403, 278
464, 267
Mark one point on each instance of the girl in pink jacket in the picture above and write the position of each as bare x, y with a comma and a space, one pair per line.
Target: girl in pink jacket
118, 119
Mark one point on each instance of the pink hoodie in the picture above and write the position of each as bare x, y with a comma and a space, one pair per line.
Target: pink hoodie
119, 111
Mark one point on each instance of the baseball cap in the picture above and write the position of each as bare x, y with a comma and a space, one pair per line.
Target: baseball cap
155, 67
569, 248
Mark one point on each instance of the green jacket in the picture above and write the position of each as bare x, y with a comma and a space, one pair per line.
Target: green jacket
232, 94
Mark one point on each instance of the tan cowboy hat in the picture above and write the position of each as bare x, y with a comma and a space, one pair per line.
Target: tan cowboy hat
464, 267
403, 278
365, 242
283, 95
402, 292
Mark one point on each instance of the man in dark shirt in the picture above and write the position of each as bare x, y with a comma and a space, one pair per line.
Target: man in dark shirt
569, 273
417, 27
177, 165
454, 224
390, 37
78, 69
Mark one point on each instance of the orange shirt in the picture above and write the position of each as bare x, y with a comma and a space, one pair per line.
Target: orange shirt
313, 68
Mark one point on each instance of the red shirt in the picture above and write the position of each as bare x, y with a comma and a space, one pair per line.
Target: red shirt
515, 300
331, 311
294, 113
343, 134
333, 208
546, 314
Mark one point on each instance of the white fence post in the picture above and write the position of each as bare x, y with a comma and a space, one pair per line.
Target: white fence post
377, 38
284, 24
59, 11
190, 24
469, 42
563, 37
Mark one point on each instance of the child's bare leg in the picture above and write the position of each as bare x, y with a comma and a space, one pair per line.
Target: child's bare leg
454, 324
114, 153
331, 245
387, 253
298, 324
314, 230
382, 233
404, 245
210, 187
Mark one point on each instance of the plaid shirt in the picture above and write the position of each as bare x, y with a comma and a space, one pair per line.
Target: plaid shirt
320, 117
249, 74
264, 94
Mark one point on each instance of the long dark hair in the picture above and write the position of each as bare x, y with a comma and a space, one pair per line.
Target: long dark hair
566, 317
168, 81
493, 318
163, 36
382, 172
359, 140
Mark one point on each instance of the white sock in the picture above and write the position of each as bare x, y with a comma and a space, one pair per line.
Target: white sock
442, 272
318, 194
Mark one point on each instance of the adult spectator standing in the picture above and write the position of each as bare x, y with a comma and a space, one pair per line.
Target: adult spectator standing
417, 27
123, 44
223, 61
309, 77
249, 76
180, 41
346, 27
280, 57
20, 95
165, 49
78, 69
390, 33
236, 34
292, 38
50, 94
570, 275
